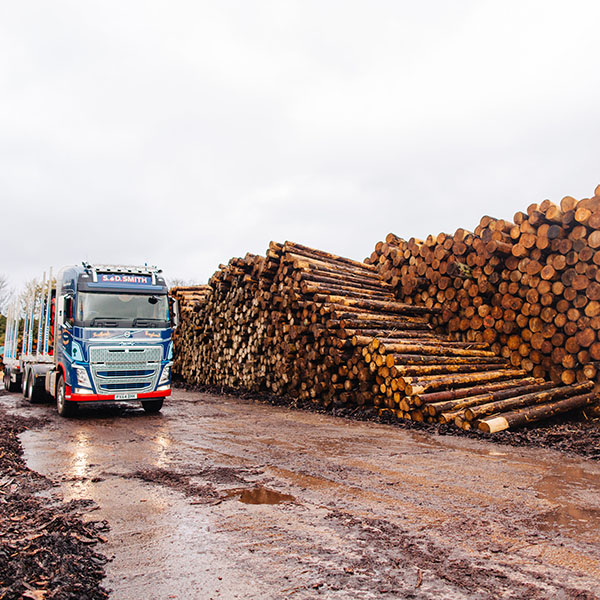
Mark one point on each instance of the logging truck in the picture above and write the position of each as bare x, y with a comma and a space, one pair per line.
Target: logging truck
96, 333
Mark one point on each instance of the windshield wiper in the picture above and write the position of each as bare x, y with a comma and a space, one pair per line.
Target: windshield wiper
141, 321
106, 321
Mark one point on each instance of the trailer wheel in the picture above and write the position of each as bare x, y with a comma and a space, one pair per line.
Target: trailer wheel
9, 386
63, 406
152, 406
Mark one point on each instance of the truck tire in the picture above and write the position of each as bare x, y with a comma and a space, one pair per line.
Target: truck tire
25, 384
33, 393
63, 406
9, 386
152, 406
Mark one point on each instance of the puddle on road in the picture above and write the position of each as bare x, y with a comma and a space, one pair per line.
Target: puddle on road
574, 493
262, 495
571, 518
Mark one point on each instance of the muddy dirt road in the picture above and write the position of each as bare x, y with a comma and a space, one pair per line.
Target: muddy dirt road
218, 497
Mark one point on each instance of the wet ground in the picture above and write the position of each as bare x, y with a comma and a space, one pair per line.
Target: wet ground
46, 550
219, 497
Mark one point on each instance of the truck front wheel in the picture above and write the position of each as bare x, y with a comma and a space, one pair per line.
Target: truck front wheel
152, 406
63, 406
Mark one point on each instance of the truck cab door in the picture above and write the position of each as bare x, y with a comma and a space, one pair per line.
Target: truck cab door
64, 327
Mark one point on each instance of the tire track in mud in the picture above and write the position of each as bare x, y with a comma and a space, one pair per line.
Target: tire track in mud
438, 566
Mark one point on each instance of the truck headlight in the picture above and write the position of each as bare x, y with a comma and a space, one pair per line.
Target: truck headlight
165, 376
82, 377
76, 352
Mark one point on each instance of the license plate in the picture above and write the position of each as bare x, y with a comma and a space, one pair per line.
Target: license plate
125, 396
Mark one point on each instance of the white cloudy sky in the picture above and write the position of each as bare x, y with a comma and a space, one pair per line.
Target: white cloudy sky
185, 132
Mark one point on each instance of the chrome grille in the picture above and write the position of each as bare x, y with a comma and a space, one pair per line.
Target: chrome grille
125, 368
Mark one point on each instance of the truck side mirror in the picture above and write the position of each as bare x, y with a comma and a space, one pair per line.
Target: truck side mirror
69, 309
174, 305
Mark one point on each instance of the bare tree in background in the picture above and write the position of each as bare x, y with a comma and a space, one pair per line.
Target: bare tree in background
177, 282
30, 292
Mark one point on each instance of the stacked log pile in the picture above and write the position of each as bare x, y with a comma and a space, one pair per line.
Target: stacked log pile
330, 330
191, 300
529, 287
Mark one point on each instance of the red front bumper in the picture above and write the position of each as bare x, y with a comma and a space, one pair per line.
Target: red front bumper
69, 395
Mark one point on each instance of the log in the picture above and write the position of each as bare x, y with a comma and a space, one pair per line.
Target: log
525, 416
414, 385
434, 349
484, 399
475, 390
518, 401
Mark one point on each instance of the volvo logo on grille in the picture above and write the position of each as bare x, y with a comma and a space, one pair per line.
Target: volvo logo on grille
127, 334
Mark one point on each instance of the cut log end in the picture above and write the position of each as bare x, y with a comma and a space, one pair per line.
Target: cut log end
493, 425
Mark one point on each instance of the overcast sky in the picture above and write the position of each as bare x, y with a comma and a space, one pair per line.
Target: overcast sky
183, 133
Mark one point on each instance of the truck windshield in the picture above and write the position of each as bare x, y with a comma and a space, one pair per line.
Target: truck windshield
121, 310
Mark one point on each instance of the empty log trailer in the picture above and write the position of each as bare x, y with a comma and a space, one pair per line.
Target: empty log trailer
97, 333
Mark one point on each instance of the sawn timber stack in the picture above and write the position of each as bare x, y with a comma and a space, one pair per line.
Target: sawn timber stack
311, 325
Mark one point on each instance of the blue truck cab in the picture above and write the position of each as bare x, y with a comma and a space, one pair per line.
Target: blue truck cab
113, 330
